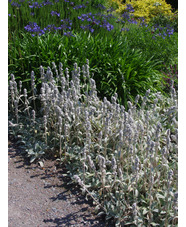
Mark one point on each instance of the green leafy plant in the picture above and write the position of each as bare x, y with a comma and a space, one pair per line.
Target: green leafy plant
124, 70
129, 61
163, 20
36, 151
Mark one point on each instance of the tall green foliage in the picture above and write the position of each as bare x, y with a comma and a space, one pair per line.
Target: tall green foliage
123, 70
124, 53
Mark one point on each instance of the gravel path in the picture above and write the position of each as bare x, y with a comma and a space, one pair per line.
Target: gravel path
40, 197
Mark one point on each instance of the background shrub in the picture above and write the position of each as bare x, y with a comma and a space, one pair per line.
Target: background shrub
163, 20
146, 8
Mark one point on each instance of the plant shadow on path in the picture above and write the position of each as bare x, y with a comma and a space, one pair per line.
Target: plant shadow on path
79, 211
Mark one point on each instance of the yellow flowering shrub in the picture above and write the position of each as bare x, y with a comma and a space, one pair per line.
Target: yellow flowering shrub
145, 8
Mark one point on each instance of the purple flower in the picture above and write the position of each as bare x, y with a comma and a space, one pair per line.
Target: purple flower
68, 34
9, 15
91, 30
101, 6
143, 23
32, 27
165, 34
126, 15
89, 19
142, 19
83, 27
162, 31
51, 27
52, 13
42, 32
35, 5
79, 6
109, 27
129, 8
132, 21
55, 13
109, 15
47, 2
67, 23
170, 31
125, 29
87, 27
97, 22
15, 4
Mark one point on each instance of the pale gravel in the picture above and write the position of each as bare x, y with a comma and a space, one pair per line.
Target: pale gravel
39, 197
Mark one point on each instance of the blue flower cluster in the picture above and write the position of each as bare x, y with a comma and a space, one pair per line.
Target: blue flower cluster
142, 22
79, 6
90, 21
35, 5
129, 8
69, 33
66, 24
15, 4
101, 6
47, 2
163, 32
87, 27
170, 31
51, 28
127, 16
93, 21
39, 5
34, 29
125, 29
55, 13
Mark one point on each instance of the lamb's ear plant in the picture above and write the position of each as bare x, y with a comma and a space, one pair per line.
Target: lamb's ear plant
124, 160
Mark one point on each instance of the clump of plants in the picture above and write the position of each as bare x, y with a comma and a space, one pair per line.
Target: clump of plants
170, 74
123, 49
166, 20
126, 161
145, 8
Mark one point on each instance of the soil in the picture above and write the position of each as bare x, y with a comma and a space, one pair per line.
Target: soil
41, 196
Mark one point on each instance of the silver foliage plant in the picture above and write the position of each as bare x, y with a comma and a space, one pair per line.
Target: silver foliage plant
126, 161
